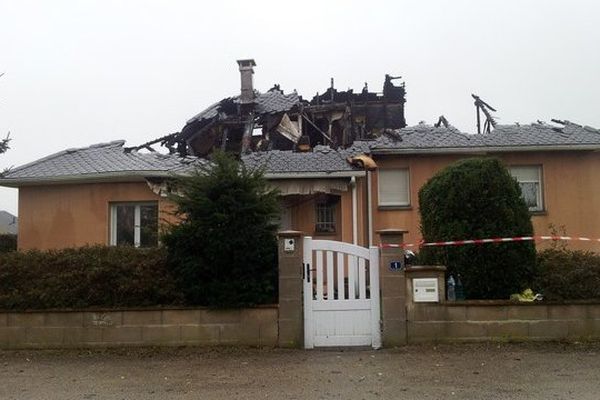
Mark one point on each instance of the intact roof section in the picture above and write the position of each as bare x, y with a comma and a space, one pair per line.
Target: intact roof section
109, 160
541, 134
536, 136
99, 159
422, 136
322, 159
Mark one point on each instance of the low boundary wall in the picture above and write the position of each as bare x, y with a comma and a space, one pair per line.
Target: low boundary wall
148, 327
501, 320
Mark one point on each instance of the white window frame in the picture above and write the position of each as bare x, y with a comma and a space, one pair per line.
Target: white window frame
540, 181
137, 220
398, 203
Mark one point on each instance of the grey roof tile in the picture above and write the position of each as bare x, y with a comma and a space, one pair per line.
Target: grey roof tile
273, 101
422, 136
322, 159
99, 159
111, 158
537, 135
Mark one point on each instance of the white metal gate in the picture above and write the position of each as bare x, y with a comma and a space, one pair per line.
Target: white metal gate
341, 294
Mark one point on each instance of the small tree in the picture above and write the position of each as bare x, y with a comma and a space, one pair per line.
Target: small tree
224, 251
478, 198
4, 142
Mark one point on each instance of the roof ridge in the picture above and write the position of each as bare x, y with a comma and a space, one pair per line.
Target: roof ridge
114, 143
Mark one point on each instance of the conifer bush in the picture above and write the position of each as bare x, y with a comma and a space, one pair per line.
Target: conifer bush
223, 251
471, 199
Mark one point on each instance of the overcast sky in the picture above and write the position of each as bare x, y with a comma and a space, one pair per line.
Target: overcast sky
84, 72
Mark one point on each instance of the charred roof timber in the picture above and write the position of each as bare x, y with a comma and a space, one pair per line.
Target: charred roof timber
485, 108
254, 121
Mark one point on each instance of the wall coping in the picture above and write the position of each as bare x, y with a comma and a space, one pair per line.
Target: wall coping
491, 303
290, 233
121, 309
391, 231
425, 268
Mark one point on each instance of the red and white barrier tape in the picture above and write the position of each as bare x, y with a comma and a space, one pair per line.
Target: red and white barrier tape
489, 240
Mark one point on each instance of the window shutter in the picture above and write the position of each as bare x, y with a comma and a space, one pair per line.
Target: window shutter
393, 187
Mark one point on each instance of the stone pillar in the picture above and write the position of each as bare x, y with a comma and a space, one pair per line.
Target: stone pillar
291, 314
425, 271
393, 288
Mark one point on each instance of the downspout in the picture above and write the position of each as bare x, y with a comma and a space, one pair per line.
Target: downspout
369, 209
354, 211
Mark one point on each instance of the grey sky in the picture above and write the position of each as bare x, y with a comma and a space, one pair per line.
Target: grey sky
83, 72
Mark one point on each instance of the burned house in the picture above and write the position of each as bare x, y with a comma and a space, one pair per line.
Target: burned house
344, 163
274, 120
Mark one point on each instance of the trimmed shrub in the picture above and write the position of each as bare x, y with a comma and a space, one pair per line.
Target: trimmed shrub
86, 277
223, 253
8, 242
478, 198
568, 275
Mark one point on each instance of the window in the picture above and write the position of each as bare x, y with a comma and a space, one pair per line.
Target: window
393, 187
325, 214
530, 181
134, 224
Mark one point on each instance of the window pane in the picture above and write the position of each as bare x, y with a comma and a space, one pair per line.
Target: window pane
325, 215
526, 173
125, 225
148, 225
393, 187
529, 178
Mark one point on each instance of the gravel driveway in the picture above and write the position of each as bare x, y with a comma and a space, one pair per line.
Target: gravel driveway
474, 371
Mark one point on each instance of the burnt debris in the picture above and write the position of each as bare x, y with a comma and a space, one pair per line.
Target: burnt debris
486, 109
274, 120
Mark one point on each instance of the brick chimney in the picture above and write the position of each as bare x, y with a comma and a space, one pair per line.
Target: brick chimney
246, 75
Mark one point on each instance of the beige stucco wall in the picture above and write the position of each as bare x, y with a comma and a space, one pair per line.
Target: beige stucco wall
303, 216
58, 216
571, 192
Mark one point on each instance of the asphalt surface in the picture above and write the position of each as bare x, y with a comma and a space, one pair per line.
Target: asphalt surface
473, 371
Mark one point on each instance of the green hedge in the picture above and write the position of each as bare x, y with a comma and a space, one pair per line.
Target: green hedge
8, 242
86, 277
568, 275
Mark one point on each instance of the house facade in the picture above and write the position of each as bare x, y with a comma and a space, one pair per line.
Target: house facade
111, 195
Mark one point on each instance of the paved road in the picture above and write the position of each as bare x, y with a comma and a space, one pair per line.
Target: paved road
481, 371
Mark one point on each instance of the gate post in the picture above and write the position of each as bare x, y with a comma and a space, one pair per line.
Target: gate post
291, 316
393, 288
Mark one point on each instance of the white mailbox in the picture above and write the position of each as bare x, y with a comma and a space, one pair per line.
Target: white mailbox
289, 245
425, 290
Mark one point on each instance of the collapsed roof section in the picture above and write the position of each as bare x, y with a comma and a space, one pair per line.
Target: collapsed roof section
274, 120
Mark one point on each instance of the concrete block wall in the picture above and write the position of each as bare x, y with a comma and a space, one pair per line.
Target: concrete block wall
250, 327
501, 320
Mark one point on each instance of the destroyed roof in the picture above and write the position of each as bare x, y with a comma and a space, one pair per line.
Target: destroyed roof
111, 161
537, 136
271, 102
322, 160
97, 162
